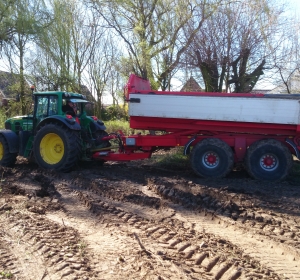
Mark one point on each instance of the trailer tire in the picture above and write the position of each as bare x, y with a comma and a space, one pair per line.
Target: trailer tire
268, 160
212, 157
56, 147
6, 158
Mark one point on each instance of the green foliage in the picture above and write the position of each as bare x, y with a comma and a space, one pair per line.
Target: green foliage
6, 275
115, 125
2, 117
14, 108
115, 112
122, 125
6, 25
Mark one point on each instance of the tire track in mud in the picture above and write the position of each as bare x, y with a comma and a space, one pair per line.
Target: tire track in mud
47, 250
116, 250
199, 254
9, 265
197, 238
272, 239
283, 229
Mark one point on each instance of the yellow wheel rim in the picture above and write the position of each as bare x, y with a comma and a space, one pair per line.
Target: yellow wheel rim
52, 148
1, 151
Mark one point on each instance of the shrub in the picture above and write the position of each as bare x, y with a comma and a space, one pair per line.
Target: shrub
123, 125
115, 112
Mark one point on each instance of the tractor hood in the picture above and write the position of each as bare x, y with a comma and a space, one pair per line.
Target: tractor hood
19, 122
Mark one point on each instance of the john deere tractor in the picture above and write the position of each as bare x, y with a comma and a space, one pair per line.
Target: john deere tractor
53, 138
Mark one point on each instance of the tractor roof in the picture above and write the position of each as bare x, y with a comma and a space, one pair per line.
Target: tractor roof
63, 94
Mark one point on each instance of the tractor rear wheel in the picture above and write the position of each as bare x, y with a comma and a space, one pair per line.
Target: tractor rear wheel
6, 158
56, 147
269, 160
99, 134
212, 157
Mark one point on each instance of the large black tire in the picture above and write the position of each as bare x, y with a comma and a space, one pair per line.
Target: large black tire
56, 147
6, 158
268, 160
212, 158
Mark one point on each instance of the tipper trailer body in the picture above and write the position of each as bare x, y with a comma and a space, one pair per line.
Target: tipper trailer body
217, 129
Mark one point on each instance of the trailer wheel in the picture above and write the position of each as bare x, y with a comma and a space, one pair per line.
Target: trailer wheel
56, 147
268, 160
212, 158
6, 158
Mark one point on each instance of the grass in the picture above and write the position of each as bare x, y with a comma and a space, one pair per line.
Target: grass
173, 159
82, 248
6, 275
123, 125
116, 125
113, 126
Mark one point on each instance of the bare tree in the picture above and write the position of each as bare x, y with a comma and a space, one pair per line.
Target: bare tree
86, 34
101, 70
286, 58
231, 49
150, 28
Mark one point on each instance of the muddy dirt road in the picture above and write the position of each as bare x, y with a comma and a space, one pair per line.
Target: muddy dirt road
138, 221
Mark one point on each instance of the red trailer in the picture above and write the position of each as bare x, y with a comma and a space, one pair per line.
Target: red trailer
215, 129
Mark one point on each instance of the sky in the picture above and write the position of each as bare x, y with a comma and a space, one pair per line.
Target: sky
295, 3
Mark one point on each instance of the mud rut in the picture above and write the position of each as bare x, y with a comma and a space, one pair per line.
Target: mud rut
136, 221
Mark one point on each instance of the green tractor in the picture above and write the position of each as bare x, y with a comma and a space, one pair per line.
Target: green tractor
54, 137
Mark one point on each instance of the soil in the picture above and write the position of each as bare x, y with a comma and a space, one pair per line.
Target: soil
136, 220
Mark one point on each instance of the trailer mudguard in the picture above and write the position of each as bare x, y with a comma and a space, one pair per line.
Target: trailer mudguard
293, 145
12, 140
187, 146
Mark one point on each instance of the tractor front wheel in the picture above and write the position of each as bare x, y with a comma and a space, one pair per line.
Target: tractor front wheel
56, 147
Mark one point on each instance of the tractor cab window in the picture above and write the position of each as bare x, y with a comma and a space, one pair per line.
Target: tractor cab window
72, 107
46, 106
52, 110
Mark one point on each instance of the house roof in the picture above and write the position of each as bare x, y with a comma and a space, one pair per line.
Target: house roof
191, 85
